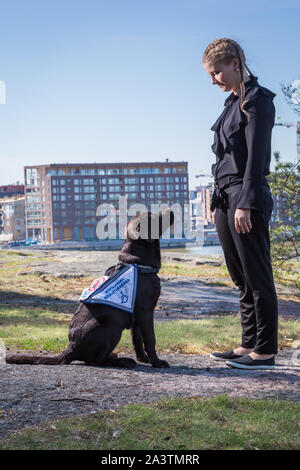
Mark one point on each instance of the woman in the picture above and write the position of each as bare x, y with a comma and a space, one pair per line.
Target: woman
242, 202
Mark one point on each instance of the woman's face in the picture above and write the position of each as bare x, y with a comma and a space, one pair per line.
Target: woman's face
224, 75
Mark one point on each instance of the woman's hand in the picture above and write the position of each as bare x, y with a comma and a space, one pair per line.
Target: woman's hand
242, 220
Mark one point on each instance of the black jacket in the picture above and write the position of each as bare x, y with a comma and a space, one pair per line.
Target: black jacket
242, 147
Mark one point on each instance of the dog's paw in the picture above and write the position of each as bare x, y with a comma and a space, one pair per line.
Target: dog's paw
160, 364
143, 359
126, 362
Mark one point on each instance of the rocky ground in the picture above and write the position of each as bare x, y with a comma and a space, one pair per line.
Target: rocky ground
31, 395
181, 297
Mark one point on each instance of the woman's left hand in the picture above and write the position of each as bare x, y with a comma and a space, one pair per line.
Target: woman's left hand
242, 220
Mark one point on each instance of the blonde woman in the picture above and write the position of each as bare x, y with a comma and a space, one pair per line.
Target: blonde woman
242, 201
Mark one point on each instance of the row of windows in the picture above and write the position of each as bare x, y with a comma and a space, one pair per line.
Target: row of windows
115, 196
114, 171
87, 181
92, 188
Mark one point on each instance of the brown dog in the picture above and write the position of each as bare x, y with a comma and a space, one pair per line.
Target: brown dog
96, 329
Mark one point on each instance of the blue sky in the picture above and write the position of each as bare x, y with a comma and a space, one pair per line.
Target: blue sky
122, 80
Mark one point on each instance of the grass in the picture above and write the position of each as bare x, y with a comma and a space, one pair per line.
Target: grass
219, 274
216, 274
174, 424
38, 329
177, 424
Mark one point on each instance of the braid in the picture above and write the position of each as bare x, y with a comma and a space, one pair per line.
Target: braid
225, 50
242, 85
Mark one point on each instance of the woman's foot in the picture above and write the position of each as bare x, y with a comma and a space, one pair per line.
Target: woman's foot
255, 356
242, 351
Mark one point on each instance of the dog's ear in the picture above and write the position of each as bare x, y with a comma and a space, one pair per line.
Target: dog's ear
144, 226
133, 228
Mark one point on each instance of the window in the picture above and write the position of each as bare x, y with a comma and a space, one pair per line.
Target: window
114, 188
114, 180
131, 180
89, 189
32, 173
114, 196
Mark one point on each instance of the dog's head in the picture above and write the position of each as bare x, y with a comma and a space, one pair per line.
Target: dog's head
149, 226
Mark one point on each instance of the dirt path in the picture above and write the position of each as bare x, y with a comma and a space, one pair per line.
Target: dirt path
31, 395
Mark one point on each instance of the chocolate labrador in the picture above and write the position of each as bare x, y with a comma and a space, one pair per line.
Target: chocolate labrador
96, 329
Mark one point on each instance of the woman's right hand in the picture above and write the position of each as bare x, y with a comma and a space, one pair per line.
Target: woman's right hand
214, 216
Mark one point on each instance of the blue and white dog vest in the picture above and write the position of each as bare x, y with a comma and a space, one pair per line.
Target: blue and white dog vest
117, 291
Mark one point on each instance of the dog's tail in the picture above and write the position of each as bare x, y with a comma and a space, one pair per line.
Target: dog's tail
64, 358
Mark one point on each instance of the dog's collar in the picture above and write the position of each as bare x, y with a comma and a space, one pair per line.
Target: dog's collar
142, 268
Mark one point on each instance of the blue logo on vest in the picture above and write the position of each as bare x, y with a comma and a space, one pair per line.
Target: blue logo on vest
117, 291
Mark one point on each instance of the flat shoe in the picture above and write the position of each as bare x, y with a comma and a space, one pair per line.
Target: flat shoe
246, 362
224, 356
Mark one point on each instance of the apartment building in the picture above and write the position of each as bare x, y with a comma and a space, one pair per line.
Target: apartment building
12, 216
61, 199
8, 191
204, 197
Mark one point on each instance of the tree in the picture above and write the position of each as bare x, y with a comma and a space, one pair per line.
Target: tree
285, 234
291, 92
284, 182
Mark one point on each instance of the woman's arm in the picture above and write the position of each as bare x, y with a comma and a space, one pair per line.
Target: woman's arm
258, 132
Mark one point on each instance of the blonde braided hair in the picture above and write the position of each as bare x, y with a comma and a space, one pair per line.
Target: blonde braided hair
225, 50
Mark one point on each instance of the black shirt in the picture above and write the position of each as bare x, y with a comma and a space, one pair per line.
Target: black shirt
242, 146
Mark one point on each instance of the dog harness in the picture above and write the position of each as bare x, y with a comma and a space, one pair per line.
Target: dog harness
118, 290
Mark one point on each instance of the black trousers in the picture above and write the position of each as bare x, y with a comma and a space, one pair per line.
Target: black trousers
248, 261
